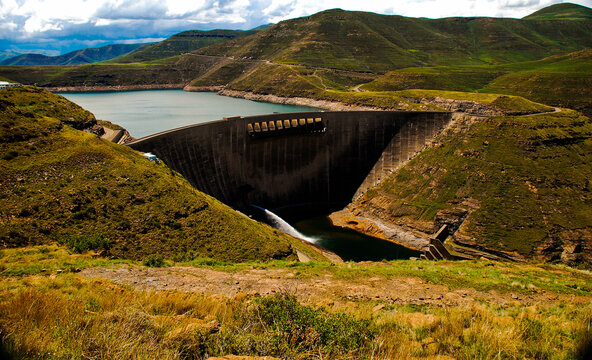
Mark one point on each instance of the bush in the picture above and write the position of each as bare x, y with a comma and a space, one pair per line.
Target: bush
290, 326
84, 243
154, 260
10, 155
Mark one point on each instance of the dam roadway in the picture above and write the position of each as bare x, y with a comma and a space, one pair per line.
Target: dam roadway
294, 163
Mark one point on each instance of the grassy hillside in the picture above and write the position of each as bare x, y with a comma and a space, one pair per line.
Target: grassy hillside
566, 11
557, 80
563, 81
377, 43
175, 70
181, 43
82, 56
338, 50
65, 185
521, 182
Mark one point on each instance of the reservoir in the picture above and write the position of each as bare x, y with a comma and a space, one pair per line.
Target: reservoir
351, 245
147, 112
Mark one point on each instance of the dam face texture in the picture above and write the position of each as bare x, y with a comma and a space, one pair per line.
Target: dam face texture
294, 162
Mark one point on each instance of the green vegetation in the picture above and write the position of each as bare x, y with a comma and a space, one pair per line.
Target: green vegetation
524, 181
176, 71
181, 43
359, 41
566, 11
65, 185
557, 80
83, 243
52, 314
153, 260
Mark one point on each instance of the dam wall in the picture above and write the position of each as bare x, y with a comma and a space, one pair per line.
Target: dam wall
302, 161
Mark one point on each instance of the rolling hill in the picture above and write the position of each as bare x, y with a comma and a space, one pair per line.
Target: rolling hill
565, 11
359, 41
78, 57
7, 54
182, 43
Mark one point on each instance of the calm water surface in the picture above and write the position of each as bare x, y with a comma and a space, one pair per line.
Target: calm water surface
349, 244
146, 112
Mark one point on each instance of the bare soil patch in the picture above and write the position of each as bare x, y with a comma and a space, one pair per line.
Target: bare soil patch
321, 289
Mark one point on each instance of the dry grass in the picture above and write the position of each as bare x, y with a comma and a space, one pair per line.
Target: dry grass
52, 315
68, 317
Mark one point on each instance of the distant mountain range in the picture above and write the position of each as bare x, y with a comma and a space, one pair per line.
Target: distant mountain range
7, 54
78, 57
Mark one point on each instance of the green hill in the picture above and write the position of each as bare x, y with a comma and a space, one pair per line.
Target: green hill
65, 185
520, 185
82, 56
556, 80
182, 43
565, 11
360, 41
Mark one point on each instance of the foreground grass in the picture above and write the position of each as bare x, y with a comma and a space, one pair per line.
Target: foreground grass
46, 314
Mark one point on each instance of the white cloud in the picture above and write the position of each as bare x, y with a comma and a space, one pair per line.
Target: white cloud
113, 20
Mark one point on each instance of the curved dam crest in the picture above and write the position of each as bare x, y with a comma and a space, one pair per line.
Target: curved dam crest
294, 162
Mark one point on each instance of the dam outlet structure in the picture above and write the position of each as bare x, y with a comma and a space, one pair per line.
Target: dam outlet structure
294, 164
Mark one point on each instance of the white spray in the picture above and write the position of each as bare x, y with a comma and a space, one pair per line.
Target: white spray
280, 224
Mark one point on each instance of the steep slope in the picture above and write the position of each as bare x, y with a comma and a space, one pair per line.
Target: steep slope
516, 186
565, 11
78, 57
182, 43
65, 185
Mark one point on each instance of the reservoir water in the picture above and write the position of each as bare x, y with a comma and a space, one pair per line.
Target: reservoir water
351, 245
147, 112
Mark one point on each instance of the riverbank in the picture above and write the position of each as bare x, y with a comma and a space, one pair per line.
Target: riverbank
275, 99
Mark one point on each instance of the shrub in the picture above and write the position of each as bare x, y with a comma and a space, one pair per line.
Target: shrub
289, 326
83, 243
154, 260
10, 155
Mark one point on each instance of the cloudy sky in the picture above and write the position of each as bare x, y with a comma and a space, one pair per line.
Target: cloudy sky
58, 26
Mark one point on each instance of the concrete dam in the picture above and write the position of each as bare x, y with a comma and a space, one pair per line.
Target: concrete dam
294, 163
